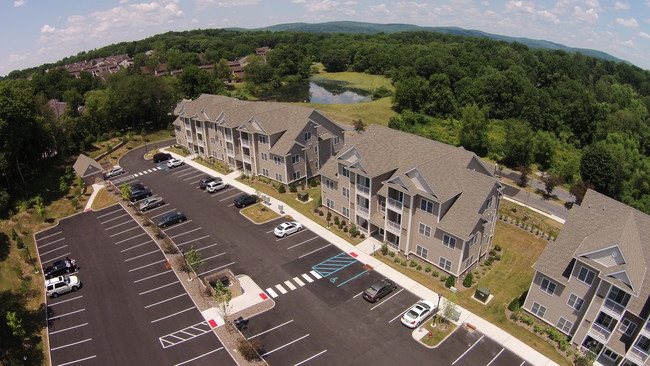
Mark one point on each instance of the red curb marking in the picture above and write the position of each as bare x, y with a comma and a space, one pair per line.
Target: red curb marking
212, 323
470, 326
263, 296
88, 209
353, 254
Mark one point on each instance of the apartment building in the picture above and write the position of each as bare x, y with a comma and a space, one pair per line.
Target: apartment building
422, 197
593, 283
283, 142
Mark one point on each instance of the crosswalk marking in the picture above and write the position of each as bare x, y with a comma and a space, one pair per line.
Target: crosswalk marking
290, 285
298, 281
271, 292
304, 275
315, 274
281, 289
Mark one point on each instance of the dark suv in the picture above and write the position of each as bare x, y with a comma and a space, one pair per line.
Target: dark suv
60, 267
157, 158
245, 200
378, 290
138, 195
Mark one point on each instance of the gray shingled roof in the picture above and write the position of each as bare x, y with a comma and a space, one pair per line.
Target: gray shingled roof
601, 222
85, 166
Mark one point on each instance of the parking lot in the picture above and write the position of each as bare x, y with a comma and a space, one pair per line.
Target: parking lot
320, 317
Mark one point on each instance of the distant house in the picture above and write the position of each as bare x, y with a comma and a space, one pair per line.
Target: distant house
593, 283
89, 170
57, 107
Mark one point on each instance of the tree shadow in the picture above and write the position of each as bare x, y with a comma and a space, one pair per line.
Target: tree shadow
5, 246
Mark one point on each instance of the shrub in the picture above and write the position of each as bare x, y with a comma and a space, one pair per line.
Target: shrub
403, 263
443, 278
397, 260
413, 263
427, 269
529, 320
320, 213
282, 189
343, 222
435, 274
391, 253
538, 328
362, 236
345, 229
329, 216
497, 248
336, 220
313, 183
469, 280
497, 257
384, 247
514, 305
493, 252
292, 188
250, 350
419, 267
450, 281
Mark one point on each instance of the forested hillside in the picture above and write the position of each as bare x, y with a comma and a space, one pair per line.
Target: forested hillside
577, 117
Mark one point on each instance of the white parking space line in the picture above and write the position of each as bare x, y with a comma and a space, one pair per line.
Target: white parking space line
216, 269
135, 246
298, 281
44, 262
127, 239
163, 206
160, 214
66, 314
200, 356
114, 218
114, 226
398, 315
286, 345
522, 363
495, 357
308, 240
158, 288
316, 275
200, 174
77, 361
183, 172
214, 256
47, 236
281, 289
125, 231
54, 250
142, 255
152, 276
220, 192
209, 246
230, 197
64, 301
52, 242
66, 329
357, 295
388, 298
178, 225
119, 209
71, 344
268, 330
304, 275
164, 301
290, 285
314, 251
170, 315
469, 349
271, 292
147, 265
187, 232
310, 358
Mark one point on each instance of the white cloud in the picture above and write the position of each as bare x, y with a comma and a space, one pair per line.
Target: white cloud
381, 8
13, 58
202, 4
521, 6
19, 3
321, 5
485, 3
621, 6
47, 29
123, 1
644, 35
347, 11
589, 15
298, 1
630, 23
627, 43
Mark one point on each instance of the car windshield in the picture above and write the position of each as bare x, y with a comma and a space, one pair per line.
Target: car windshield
371, 290
412, 314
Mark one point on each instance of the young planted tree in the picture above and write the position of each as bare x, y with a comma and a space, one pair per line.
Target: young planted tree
222, 297
194, 260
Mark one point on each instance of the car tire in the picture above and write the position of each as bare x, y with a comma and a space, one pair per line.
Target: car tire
300, 228
284, 235
180, 220
55, 295
68, 270
163, 225
75, 288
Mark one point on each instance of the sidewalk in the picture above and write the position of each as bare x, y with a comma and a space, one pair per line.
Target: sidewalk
362, 253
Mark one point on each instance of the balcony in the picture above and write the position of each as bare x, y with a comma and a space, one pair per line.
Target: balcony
600, 332
394, 204
614, 308
363, 210
246, 158
245, 142
647, 328
396, 226
231, 152
638, 354
363, 189
228, 137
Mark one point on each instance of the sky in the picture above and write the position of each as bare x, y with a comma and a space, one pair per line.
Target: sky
34, 32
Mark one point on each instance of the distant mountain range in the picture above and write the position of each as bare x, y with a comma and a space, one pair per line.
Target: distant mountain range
371, 28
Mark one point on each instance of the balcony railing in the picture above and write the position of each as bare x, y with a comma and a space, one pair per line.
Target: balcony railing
245, 143
231, 152
363, 210
246, 158
228, 137
393, 203
614, 307
601, 331
638, 353
393, 225
363, 189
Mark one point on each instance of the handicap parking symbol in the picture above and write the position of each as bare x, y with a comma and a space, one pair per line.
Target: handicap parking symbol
333, 279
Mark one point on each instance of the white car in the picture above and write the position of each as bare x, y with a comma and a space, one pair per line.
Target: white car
60, 285
216, 186
117, 170
287, 228
173, 163
418, 313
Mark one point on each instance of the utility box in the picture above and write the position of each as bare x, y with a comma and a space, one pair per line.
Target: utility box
303, 196
482, 294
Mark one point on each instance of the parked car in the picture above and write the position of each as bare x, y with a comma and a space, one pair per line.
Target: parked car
60, 267
418, 313
138, 195
137, 187
171, 218
151, 202
216, 186
245, 200
287, 228
117, 170
160, 157
379, 289
60, 285
173, 163
203, 183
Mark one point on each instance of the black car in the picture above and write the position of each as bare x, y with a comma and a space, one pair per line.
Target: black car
204, 182
245, 200
171, 218
138, 195
157, 158
60, 267
137, 187
378, 290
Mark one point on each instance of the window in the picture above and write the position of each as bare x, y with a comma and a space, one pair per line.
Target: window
295, 159
586, 275
619, 296
643, 343
538, 310
488, 204
345, 212
346, 192
265, 156
329, 184
345, 172
265, 172
307, 135
547, 286
426, 206
262, 139
277, 160
278, 177
445, 264
564, 325
627, 327
295, 175
424, 230
337, 140
212, 140
421, 252
330, 203
470, 260
316, 149
449, 242
575, 302
472, 241
604, 320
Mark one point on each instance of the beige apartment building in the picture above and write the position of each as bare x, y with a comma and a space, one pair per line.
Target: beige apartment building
283, 142
593, 283
422, 197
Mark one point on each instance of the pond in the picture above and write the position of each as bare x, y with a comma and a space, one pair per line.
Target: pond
319, 91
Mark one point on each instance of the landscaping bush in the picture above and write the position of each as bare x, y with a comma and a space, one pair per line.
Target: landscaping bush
514, 305
281, 189
362, 236
345, 229
313, 183
443, 278
427, 269
529, 320
497, 248
469, 280
435, 274
292, 188
497, 257
337, 222
250, 350
397, 260
413, 263
403, 263
343, 223
384, 247
493, 252
320, 213
538, 328
391, 253
450, 281
419, 267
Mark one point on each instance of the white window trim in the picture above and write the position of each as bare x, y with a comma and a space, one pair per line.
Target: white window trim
450, 238
566, 321
548, 286
539, 307
423, 228
586, 276
575, 302
422, 251
422, 200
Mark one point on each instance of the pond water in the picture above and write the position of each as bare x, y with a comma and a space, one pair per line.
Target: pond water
318, 91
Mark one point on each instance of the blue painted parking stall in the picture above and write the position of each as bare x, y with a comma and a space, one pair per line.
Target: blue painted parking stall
334, 264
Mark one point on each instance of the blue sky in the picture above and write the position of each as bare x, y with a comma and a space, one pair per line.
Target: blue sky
40, 31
